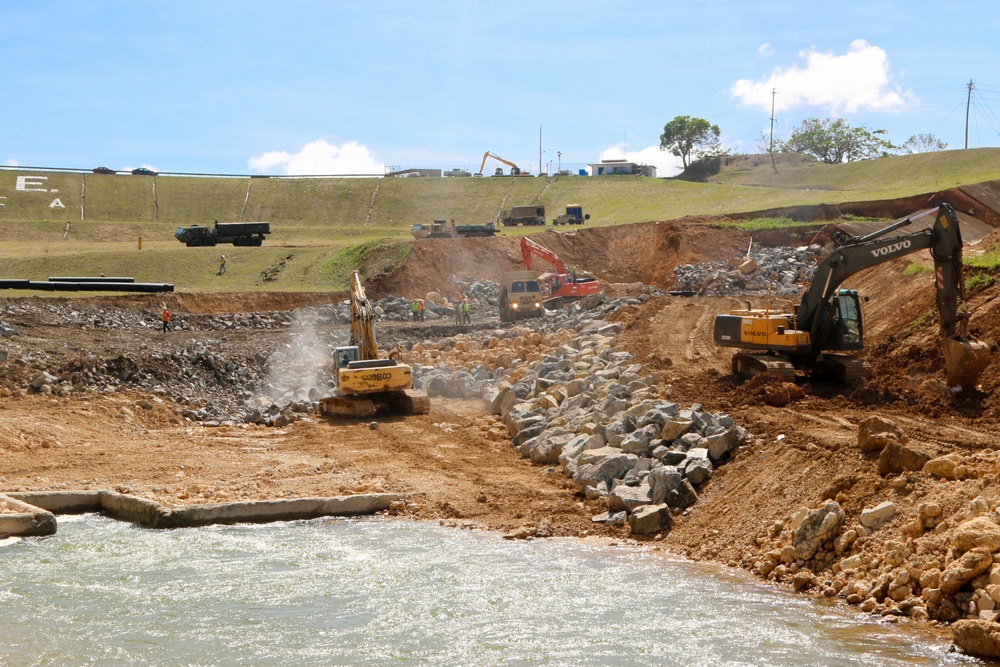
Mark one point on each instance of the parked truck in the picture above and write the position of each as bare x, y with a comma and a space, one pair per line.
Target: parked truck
523, 215
447, 229
520, 296
237, 233
574, 215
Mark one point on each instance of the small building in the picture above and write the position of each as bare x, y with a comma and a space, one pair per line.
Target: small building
621, 167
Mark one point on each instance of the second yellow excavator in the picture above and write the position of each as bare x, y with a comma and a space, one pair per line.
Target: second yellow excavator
366, 383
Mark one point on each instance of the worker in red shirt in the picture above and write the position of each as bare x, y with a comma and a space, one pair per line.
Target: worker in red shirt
166, 320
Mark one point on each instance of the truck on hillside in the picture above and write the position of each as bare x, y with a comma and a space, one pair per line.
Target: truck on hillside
237, 233
520, 296
447, 229
574, 215
523, 215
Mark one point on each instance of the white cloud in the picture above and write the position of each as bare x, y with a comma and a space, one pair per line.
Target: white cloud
11, 162
318, 158
765, 49
858, 79
666, 164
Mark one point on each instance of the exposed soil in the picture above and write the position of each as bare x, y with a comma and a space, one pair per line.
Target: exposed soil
459, 458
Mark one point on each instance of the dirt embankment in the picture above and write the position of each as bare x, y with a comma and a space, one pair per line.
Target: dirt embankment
460, 459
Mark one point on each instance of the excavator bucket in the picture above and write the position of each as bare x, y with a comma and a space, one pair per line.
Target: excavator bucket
964, 361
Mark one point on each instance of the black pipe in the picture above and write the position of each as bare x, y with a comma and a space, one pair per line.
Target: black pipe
55, 286
92, 279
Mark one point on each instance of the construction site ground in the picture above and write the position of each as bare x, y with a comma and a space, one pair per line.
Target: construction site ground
458, 458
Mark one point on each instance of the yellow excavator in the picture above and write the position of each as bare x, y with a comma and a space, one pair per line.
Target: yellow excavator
514, 169
815, 334
367, 384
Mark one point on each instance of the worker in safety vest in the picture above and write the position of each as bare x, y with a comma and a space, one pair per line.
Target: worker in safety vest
166, 320
415, 309
465, 312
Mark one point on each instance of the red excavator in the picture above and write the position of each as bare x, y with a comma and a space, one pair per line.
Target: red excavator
563, 284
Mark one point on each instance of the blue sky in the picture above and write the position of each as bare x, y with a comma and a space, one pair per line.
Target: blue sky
325, 87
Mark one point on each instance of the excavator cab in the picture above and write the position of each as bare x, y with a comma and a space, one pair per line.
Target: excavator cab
343, 356
840, 322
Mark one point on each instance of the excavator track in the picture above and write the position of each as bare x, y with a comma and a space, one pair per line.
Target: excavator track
845, 368
754, 365
408, 402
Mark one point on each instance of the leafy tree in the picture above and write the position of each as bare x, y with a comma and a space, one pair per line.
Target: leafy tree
835, 141
924, 143
688, 138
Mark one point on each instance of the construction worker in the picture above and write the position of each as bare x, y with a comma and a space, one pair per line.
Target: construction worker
222, 265
422, 311
166, 320
415, 309
466, 319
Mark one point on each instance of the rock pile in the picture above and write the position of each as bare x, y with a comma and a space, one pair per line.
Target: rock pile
778, 271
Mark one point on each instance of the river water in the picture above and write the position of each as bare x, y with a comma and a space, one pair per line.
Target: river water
394, 592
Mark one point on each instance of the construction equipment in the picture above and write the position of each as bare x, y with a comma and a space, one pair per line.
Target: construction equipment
237, 233
828, 320
529, 216
574, 215
447, 229
514, 169
367, 384
563, 284
520, 296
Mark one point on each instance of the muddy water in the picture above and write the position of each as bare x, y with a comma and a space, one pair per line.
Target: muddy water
382, 592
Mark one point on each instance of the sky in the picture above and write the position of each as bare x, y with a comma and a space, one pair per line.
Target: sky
328, 88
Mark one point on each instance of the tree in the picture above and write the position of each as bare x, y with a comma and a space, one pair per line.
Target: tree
688, 138
835, 141
924, 143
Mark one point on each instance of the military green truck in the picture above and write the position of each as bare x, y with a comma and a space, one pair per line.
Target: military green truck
447, 229
237, 233
523, 215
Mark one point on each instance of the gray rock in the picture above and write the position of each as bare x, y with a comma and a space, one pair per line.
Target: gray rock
650, 519
818, 526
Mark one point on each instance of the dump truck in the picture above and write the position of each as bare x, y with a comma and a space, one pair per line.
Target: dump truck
237, 233
521, 296
574, 215
447, 229
523, 215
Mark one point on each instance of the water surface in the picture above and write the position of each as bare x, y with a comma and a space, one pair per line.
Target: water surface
395, 592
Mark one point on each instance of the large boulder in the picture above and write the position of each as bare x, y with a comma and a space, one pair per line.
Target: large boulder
875, 432
977, 637
650, 519
965, 569
978, 532
817, 526
897, 458
625, 497
662, 481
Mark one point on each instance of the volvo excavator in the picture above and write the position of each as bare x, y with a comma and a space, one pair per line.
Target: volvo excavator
367, 384
815, 334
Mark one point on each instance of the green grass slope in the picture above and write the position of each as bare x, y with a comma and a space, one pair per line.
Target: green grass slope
323, 227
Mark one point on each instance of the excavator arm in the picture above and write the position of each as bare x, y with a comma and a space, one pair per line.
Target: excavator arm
530, 249
514, 169
944, 241
362, 320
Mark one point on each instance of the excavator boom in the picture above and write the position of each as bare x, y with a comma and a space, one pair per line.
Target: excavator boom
514, 169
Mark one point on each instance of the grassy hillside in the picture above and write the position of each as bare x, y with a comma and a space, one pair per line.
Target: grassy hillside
320, 225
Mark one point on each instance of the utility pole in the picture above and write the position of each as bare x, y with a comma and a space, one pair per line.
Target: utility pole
770, 146
968, 103
540, 165
559, 155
